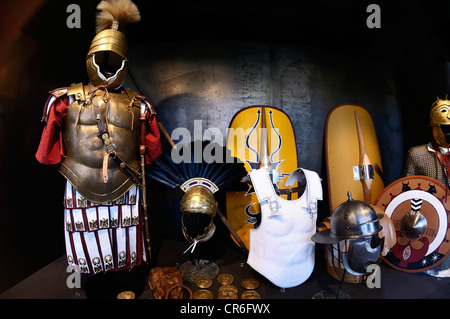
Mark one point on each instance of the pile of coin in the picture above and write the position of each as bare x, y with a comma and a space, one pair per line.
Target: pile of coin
250, 284
204, 283
227, 290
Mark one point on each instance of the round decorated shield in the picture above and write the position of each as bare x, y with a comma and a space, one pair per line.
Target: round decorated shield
419, 210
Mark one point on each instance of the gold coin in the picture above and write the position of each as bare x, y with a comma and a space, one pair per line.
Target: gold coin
250, 294
203, 294
232, 288
203, 282
225, 279
227, 294
126, 295
249, 283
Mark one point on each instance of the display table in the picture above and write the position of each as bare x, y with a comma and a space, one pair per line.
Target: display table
50, 281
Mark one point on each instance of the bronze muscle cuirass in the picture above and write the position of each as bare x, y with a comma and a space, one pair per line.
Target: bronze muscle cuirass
85, 151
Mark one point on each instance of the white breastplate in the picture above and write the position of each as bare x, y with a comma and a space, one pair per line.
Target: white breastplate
281, 248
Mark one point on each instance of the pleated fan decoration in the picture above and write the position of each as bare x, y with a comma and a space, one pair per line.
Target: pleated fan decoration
205, 163
200, 169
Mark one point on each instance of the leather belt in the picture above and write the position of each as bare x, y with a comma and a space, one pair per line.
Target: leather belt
103, 134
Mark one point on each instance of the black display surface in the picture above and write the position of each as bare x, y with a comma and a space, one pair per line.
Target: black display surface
51, 281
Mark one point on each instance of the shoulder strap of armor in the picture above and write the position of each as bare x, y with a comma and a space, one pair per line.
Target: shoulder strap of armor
265, 191
134, 97
54, 94
78, 92
137, 99
133, 94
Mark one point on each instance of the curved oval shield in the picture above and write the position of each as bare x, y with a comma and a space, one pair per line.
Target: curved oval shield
343, 155
260, 135
422, 242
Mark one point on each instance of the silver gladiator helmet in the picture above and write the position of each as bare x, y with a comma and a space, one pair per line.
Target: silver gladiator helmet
356, 223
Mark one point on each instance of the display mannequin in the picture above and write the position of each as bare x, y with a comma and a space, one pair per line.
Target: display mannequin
100, 136
432, 160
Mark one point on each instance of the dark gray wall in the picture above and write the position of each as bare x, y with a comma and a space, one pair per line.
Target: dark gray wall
210, 81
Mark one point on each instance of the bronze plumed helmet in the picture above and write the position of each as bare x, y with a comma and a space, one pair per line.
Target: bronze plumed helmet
97, 54
440, 115
109, 48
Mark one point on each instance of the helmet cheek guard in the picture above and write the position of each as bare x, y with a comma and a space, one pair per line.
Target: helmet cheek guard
361, 253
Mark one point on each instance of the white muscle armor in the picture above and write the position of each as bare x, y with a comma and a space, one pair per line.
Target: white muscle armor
281, 248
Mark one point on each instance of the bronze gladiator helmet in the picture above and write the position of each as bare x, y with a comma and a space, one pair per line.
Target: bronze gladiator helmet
440, 121
198, 200
107, 59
